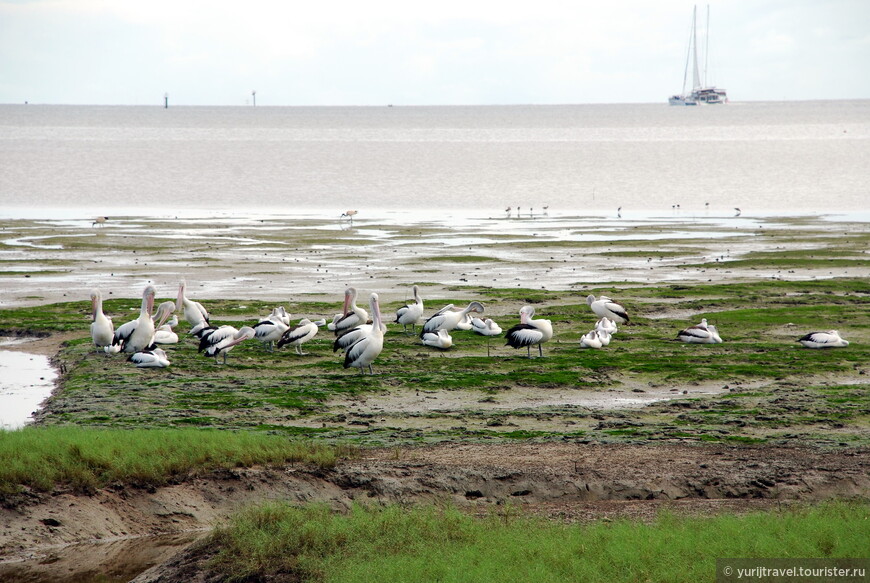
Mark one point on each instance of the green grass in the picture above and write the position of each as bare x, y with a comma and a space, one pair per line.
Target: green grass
85, 459
400, 544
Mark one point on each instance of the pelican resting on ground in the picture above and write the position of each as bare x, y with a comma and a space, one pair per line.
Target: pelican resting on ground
529, 331
440, 339
352, 315
163, 333
194, 313
702, 333
411, 313
154, 358
137, 334
299, 335
604, 307
102, 329
486, 328
363, 352
605, 324
226, 338
829, 339
448, 319
591, 340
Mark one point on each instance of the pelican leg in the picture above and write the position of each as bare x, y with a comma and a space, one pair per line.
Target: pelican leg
529, 347
540, 351
371, 370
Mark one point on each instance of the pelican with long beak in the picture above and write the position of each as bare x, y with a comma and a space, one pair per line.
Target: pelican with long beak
138, 334
447, 318
195, 314
364, 351
412, 313
102, 328
352, 315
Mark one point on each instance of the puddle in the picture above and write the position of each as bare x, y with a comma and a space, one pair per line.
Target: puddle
26, 380
100, 562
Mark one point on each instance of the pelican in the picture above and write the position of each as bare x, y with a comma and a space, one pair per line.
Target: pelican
163, 333
829, 339
702, 333
440, 339
321, 322
412, 313
487, 328
362, 353
279, 314
102, 328
154, 358
331, 326
299, 335
194, 313
448, 318
353, 315
138, 334
228, 340
604, 337
529, 331
591, 340
351, 337
604, 307
605, 324
269, 331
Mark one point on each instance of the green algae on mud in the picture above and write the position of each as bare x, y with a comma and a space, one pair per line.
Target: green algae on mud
758, 386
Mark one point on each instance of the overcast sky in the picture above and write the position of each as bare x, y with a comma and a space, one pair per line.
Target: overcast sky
374, 52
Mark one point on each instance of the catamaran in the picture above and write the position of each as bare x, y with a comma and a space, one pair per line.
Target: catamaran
701, 93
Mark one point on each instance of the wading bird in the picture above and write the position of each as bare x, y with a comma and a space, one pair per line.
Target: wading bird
529, 332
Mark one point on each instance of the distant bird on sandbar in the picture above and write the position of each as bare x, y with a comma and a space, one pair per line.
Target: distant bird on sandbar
604, 307
363, 352
102, 328
99, 221
829, 339
411, 313
529, 332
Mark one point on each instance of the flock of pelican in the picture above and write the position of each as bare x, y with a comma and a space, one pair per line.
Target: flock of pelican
359, 336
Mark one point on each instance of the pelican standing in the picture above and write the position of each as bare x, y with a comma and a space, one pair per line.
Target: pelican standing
228, 340
829, 339
194, 313
529, 331
440, 339
363, 353
138, 334
154, 358
299, 335
604, 307
102, 329
448, 318
411, 313
353, 315
486, 328
269, 331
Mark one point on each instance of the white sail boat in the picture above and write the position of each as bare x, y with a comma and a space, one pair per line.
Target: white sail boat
701, 93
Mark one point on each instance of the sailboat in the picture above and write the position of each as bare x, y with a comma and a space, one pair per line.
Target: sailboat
701, 93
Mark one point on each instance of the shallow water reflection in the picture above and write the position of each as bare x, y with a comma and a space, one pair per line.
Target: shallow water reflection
26, 380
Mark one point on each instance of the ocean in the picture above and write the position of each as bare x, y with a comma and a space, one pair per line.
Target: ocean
762, 157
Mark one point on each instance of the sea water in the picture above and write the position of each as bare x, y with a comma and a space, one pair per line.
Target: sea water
761, 157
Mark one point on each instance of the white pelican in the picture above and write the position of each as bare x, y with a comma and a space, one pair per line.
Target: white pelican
194, 313
604, 307
163, 333
702, 333
591, 340
269, 331
363, 353
412, 313
529, 331
605, 324
440, 339
486, 328
154, 358
352, 336
448, 318
321, 322
102, 328
353, 315
227, 342
331, 326
829, 339
279, 314
138, 334
299, 335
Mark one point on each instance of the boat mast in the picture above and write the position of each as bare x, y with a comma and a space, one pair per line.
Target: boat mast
707, 46
696, 80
